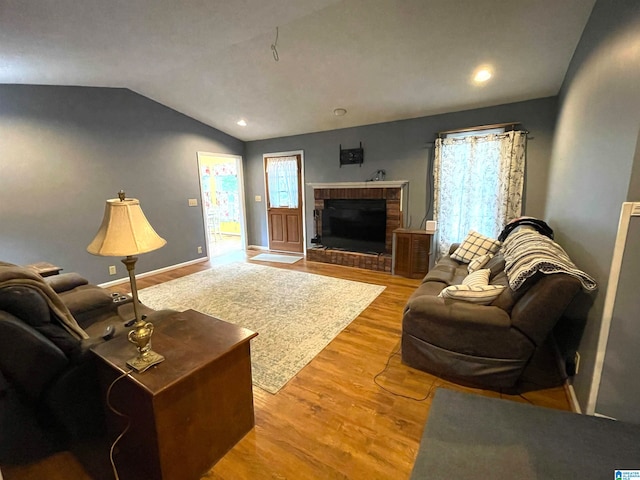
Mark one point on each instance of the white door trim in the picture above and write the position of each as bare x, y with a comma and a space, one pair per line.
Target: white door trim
302, 189
243, 208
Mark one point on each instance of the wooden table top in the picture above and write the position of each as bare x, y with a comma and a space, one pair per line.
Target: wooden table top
188, 340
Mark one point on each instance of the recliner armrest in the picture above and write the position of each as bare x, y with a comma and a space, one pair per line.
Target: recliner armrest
65, 281
28, 359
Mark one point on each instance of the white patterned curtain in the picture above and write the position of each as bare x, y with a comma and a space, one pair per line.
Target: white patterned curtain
282, 175
478, 183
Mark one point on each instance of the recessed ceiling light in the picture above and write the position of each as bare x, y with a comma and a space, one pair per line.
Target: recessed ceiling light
340, 112
482, 74
242, 123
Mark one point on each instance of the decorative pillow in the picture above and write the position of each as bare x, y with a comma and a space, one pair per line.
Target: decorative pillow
475, 245
479, 262
481, 295
477, 279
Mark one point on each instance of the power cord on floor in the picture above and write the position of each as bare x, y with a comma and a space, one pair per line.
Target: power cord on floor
120, 414
375, 380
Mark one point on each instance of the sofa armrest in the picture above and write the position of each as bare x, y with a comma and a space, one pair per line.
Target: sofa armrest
540, 308
28, 359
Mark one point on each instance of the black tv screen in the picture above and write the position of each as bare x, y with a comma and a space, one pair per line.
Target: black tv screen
355, 225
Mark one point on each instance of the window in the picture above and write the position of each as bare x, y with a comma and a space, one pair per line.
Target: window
478, 183
282, 182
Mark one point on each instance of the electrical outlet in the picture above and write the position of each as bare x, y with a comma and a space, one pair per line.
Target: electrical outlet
199, 249
193, 202
577, 360
258, 198
112, 269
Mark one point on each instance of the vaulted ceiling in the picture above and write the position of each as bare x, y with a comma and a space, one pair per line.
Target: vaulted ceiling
381, 60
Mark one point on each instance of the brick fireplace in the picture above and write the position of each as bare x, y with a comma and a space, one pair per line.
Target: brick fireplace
393, 194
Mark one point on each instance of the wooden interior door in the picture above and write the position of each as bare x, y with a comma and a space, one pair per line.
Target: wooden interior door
284, 217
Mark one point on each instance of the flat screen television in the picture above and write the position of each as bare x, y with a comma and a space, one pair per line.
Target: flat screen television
357, 225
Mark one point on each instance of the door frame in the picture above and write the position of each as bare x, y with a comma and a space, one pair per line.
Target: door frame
243, 208
302, 192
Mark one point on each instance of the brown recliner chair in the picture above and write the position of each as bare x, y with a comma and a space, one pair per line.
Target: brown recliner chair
49, 392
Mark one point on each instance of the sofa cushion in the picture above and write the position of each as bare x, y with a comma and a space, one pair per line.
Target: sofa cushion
428, 289
464, 327
447, 271
474, 245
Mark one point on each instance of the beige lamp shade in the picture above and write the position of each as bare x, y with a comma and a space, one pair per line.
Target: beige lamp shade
124, 231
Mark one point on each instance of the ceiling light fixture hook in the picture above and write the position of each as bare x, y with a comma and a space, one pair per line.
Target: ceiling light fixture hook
274, 48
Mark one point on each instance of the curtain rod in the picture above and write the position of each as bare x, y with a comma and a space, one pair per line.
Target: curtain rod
480, 127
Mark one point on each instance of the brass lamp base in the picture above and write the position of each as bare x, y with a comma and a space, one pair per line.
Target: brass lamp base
140, 336
144, 361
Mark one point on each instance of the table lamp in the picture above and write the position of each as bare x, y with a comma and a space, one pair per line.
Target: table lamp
125, 231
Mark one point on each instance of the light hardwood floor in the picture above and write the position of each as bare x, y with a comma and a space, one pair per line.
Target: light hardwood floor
331, 421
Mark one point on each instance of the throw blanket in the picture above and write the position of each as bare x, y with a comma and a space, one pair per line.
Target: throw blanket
527, 252
11, 275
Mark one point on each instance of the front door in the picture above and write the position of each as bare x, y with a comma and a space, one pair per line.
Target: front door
284, 202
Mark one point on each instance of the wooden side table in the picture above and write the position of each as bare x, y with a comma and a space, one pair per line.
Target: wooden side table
411, 250
189, 410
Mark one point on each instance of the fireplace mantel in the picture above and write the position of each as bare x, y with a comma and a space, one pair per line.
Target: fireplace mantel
372, 184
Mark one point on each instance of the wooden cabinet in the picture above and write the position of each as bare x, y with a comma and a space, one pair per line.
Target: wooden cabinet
186, 412
411, 252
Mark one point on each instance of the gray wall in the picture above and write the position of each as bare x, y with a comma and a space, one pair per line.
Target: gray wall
65, 150
403, 149
593, 154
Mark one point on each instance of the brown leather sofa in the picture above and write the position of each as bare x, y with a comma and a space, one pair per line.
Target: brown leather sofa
49, 392
487, 346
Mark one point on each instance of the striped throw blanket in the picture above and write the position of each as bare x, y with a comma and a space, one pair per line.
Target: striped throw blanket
527, 252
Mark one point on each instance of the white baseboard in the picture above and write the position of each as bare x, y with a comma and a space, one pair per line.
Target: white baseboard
568, 387
573, 399
154, 272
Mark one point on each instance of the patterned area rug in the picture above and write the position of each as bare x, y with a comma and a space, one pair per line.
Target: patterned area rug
296, 314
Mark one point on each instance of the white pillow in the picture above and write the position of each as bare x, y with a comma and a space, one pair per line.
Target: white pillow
475, 245
481, 295
475, 288
479, 262
477, 279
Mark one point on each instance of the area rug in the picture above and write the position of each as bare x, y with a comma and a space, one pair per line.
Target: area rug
471, 437
273, 257
296, 314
